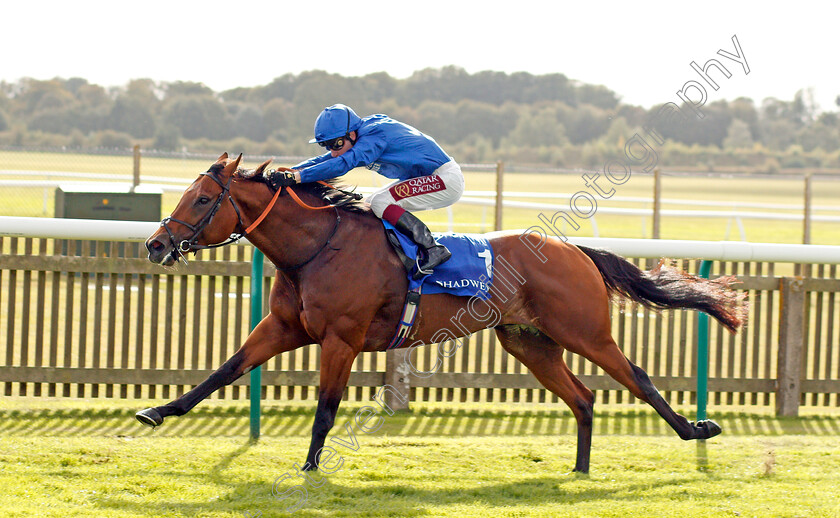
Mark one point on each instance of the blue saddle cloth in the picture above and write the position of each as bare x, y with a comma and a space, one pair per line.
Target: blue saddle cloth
468, 273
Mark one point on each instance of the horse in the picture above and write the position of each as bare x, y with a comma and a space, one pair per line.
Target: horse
340, 284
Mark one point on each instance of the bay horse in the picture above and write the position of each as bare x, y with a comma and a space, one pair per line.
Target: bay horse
340, 284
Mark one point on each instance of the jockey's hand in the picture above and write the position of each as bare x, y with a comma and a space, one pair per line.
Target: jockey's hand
284, 177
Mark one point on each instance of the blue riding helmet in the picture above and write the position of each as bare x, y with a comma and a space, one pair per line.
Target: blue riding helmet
335, 121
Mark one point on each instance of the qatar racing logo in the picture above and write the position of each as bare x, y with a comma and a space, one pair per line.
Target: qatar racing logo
417, 186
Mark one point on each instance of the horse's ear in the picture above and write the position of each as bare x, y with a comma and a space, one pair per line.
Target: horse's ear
222, 158
232, 165
260, 168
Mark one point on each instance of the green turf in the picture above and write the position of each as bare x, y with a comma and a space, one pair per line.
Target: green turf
60, 458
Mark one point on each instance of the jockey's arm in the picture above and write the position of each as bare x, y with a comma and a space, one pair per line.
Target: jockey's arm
312, 161
365, 151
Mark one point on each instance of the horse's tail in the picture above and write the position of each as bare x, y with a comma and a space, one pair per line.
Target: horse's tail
666, 287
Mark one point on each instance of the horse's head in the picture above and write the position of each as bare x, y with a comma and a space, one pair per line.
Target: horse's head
205, 216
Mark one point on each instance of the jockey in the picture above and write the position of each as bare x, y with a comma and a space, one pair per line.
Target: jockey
425, 176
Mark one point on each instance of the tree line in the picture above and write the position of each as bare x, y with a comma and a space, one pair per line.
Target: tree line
481, 117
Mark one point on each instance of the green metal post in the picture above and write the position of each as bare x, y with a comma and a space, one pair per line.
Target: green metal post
256, 316
703, 352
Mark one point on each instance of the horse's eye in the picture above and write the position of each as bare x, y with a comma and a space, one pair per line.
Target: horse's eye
202, 200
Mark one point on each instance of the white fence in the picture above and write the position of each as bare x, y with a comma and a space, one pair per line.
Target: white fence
61, 228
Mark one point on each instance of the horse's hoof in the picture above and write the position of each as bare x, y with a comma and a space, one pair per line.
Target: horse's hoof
707, 429
149, 417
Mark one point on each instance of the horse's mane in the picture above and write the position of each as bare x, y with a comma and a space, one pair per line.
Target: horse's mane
329, 191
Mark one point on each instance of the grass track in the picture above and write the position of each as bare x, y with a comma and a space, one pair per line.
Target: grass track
90, 459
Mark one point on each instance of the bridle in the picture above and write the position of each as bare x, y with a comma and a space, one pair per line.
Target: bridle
190, 244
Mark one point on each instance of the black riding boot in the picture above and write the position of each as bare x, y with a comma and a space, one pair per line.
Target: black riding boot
432, 253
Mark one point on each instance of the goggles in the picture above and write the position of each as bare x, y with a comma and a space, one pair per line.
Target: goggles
333, 144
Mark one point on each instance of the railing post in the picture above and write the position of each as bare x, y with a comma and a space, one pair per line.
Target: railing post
703, 352
657, 202
805, 269
791, 336
256, 316
806, 217
500, 175
396, 375
136, 180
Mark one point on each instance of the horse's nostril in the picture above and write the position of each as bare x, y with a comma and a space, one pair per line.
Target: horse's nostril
155, 246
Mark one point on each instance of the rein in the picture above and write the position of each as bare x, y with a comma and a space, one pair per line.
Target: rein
301, 203
326, 243
265, 212
190, 245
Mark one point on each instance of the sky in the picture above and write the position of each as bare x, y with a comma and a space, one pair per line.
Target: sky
641, 50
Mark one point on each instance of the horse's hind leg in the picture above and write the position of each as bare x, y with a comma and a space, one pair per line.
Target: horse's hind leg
609, 357
583, 327
685, 429
544, 358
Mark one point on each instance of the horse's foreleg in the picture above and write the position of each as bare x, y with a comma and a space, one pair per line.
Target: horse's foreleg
269, 338
336, 361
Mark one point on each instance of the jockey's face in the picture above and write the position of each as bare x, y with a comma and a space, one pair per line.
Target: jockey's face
345, 148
